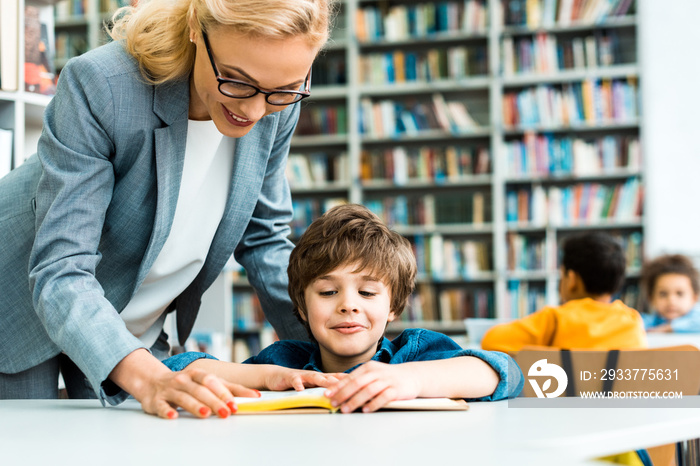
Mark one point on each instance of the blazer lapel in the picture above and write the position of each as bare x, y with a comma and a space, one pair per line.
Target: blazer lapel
169, 155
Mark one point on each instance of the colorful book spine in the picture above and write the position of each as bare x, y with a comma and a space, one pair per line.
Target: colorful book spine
547, 155
546, 13
426, 163
400, 66
591, 102
431, 209
410, 21
580, 203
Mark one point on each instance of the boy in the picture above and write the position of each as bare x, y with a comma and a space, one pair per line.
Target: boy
349, 276
593, 269
671, 285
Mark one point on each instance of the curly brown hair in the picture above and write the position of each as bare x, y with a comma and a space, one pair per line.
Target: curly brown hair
668, 264
351, 235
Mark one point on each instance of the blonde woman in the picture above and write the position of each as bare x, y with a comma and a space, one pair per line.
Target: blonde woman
162, 154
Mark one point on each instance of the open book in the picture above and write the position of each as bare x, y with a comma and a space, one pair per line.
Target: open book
312, 400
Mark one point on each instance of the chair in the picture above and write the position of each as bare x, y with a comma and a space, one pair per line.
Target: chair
590, 371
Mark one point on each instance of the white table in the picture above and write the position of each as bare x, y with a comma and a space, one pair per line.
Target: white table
77, 432
657, 340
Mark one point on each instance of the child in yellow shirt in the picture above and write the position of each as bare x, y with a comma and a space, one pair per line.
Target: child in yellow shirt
593, 269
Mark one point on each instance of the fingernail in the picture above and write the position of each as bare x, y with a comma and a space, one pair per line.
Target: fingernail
258, 392
328, 393
171, 414
223, 413
204, 411
231, 405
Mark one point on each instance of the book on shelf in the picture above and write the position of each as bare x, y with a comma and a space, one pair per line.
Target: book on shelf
458, 304
547, 13
9, 45
429, 209
546, 155
39, 71
316, 169
592, 101
525, 253
308, 210
585, 203
401, 66
6, 142
401, 22
312, 401
523, 298
549, 53
451, 258
316, 119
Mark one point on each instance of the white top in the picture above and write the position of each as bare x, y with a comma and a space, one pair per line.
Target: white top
203, 192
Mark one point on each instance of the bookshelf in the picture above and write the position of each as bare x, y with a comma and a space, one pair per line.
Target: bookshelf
485, 132
80, 26
431, 123
21, 110
71, 27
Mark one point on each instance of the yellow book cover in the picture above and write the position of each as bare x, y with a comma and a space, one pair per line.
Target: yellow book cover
311, 400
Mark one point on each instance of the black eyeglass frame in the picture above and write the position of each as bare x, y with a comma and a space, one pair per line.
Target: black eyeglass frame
221, 80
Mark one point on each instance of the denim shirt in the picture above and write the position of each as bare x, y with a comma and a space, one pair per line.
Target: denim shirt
411, 345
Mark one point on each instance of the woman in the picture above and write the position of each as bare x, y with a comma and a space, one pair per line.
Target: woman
162, 154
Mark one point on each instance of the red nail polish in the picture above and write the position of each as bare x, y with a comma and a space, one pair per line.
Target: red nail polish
232, 406
204, 411
171, 414
258, 392
223, 413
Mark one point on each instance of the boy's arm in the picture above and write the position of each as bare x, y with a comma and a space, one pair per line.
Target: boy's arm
267, 376
258, 376
689, 323
470, 374
536, 329
374, 384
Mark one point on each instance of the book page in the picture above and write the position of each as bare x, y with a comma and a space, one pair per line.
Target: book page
292, 401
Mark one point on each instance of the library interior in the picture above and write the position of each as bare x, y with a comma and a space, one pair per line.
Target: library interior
485, 132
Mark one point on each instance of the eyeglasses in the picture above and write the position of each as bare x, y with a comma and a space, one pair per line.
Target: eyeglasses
243, 90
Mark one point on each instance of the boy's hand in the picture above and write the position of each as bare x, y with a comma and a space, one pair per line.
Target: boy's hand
282, 378
663, 328
373, 385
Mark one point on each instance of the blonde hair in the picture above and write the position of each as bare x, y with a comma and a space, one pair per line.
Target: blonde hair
157, 31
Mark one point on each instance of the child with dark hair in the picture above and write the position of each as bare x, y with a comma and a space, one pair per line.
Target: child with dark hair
349, 276
671, 286
592, 271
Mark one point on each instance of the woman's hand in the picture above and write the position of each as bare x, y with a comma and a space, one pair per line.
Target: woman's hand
161, 391
283, 378
373, 385
195, 391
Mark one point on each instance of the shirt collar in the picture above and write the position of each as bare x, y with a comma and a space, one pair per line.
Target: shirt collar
385, 353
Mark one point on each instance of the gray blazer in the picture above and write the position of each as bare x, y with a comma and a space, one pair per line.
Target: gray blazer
83, 220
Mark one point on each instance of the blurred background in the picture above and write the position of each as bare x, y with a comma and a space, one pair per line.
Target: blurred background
485, 131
